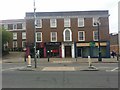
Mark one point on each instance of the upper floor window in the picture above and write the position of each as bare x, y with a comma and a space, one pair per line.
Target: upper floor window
38, 37
23, 35
95, 20
19, 26
38, 23
80, 22
10, 26
53, 36
14, 36
67, 22
14, 44
53, 23
95, 35
67, 35
81, 36
5, 26
15, 26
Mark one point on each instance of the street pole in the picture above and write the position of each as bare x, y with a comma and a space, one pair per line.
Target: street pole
35, 36
99, 57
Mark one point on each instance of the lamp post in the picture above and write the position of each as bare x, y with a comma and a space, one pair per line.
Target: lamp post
35, 36
99, 56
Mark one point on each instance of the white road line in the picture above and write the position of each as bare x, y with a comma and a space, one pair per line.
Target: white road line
9, 69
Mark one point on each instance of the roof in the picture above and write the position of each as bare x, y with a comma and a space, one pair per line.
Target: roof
67, 13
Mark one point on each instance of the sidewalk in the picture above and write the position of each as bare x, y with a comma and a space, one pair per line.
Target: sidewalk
18, 57
60, 60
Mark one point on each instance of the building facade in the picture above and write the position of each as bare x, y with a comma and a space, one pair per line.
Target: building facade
114, 43
18, 29
68, 34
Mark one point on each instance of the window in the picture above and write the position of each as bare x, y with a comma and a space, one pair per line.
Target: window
14, 44
80, 22
95, 19
23, 35
19, 26
5, 26
23, 44
67, 35
10, 26
14, 36
66, 22
38, 23
81, 36
38, 37
53, 36
95, 35
53, 23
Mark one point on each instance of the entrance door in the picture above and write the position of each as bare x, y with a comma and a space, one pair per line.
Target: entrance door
79, 52
67, 51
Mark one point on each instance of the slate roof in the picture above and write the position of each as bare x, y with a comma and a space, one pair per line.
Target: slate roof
67, 13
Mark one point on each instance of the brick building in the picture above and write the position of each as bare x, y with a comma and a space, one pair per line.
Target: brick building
18, 28
69, 34
114, 43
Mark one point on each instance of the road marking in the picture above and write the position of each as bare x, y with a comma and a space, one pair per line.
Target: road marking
58, 69
115, 69
62, 61
11, 69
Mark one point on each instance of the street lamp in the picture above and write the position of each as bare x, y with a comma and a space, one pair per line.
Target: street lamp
35, 36
99, 56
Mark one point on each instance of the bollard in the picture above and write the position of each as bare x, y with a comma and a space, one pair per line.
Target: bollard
29, 61
89, 60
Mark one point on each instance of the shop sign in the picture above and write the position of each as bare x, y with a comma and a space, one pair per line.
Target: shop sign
53, 43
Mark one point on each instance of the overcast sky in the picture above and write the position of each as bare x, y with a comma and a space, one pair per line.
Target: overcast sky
15, 9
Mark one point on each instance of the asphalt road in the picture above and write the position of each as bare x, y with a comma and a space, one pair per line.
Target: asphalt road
59, 79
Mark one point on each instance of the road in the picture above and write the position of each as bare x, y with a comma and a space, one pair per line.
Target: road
104, 78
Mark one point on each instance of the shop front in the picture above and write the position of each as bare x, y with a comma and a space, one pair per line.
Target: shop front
52, 49
87, 49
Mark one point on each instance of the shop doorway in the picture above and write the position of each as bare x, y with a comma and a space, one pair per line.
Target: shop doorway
68, 51
79, 52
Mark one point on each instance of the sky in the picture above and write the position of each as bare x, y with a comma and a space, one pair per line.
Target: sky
15, 9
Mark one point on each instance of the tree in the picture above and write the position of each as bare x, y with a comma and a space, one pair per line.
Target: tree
6, 36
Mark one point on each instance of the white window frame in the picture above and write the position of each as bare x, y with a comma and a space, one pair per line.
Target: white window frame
37, 36
14, 46
67, 22
53, 23
23, 35
52, 36
95, 20
82, 36
65, 36
80, 22
14, 36
38, 23
23, 44
94, 39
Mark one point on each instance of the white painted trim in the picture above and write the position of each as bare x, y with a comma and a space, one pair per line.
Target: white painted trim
83, 35
63, 50
55, 36
73, 50
70, 34
41, 36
